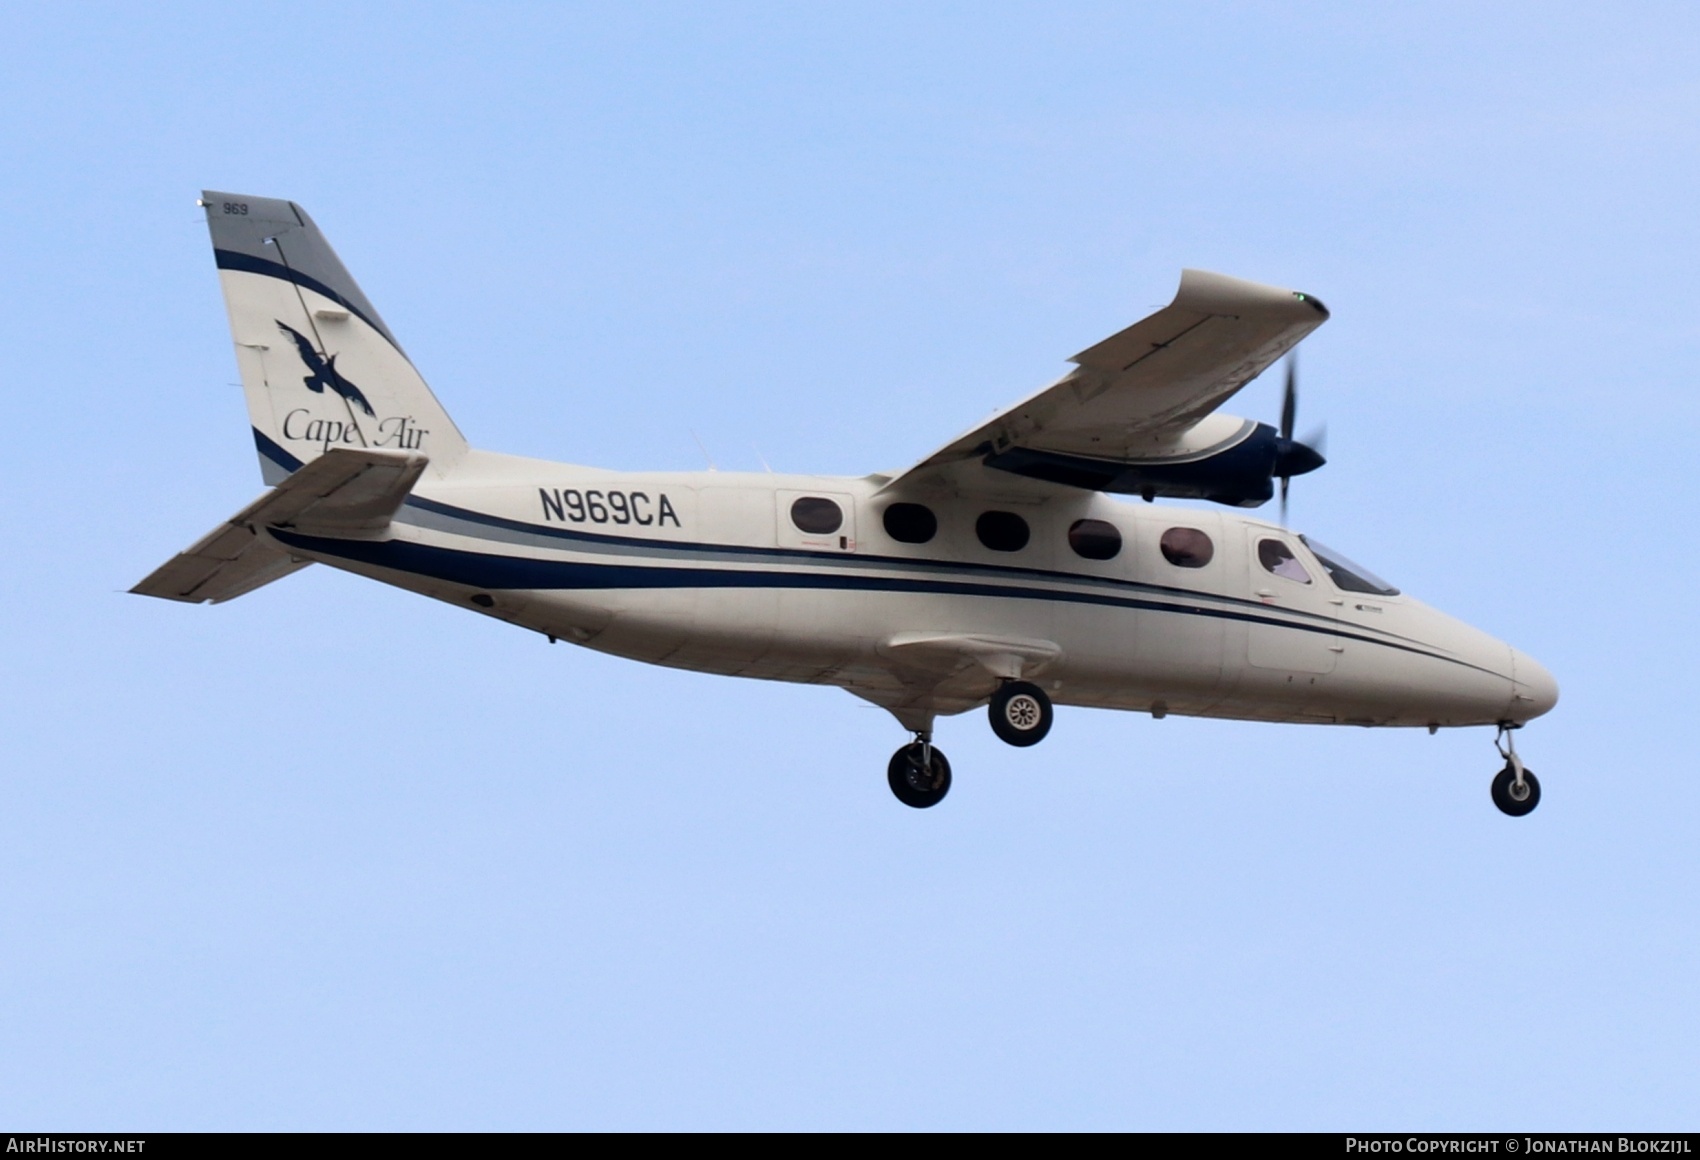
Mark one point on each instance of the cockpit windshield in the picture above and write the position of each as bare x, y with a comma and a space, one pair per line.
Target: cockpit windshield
1347, 576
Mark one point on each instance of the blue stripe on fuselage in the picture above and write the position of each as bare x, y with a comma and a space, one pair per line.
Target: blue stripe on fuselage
486, 570
739, 554
592, 540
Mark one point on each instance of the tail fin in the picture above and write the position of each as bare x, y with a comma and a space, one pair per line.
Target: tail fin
319, 367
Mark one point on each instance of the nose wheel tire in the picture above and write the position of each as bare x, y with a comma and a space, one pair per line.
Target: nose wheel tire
1020, 713
1512, 799
919, 775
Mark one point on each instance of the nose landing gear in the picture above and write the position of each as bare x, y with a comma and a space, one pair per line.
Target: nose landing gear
919, 774
1515, 790
1021, 713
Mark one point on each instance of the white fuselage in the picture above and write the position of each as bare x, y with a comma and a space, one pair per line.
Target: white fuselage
708, 571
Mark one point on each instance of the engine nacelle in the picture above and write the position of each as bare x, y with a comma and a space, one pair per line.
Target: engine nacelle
1239, 470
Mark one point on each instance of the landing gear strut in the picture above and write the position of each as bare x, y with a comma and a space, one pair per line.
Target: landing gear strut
919, 774
1021, 713
1515, 790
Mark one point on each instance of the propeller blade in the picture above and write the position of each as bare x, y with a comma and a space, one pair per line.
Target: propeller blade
1293, 457
1290, 398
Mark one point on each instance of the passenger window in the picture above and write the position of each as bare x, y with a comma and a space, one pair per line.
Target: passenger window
816, 515
1002, 531
1094, 539
1187, 548
911, 523
1277, 557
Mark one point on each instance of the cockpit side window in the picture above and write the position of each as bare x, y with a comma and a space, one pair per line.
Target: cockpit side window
1277, 557
1347, 576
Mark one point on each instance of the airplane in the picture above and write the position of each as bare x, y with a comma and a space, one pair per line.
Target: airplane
1000, 571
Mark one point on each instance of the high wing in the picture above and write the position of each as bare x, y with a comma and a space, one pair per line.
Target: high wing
1139, 404
345, 491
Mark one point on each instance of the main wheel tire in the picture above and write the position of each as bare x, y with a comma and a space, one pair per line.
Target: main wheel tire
1020, 713
1503, 789
915, 785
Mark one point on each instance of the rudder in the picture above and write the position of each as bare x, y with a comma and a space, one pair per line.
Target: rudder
319, 367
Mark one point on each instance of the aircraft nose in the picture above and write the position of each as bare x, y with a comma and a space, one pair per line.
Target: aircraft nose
1534, 691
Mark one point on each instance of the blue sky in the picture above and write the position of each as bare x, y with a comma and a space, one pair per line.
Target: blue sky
332, 856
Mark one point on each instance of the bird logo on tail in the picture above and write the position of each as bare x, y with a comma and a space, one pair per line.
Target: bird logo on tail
324, 371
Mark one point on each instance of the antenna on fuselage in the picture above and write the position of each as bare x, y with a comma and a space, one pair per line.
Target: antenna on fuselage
704, 450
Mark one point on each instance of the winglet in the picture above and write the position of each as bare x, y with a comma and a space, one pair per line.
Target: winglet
1205, 293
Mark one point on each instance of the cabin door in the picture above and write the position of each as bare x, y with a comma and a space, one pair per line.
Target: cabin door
1297, 629
823, 520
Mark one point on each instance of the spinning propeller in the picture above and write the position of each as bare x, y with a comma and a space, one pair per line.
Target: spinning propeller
1293, 457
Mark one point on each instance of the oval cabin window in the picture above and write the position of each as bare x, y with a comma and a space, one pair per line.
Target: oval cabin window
817, 515
1094, 539
1187, 547
1002, 531
911, 523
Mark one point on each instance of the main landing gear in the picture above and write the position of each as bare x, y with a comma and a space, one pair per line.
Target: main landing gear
1020, 713
919, 774
1515, 790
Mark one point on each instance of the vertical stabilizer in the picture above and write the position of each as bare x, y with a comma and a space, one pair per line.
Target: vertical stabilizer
319, 367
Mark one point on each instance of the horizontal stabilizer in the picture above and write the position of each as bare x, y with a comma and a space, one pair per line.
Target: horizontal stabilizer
346, 490
228, 562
